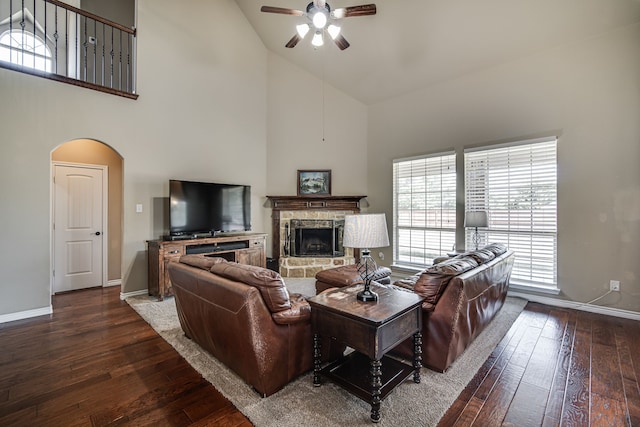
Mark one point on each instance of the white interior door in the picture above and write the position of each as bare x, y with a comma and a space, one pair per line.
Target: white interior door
78, 227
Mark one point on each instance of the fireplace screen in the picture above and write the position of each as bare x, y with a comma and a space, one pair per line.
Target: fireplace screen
316, 238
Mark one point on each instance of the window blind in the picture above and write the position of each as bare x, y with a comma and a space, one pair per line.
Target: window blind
517, 185
424, 208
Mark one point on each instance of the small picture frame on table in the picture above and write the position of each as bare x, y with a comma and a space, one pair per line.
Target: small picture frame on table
314, 183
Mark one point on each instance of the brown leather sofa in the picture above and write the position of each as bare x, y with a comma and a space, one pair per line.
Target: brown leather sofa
463, 294
245, 317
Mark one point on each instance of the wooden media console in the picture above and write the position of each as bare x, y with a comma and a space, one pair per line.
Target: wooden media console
249, 248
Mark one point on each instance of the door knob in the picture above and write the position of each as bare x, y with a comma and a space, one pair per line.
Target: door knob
97, 233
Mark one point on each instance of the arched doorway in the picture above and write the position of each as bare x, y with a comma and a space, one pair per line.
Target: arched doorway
87, 153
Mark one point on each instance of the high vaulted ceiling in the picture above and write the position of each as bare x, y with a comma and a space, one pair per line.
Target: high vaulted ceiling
411, 44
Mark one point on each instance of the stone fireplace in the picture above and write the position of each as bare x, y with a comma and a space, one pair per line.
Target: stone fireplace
307, 233
315, 238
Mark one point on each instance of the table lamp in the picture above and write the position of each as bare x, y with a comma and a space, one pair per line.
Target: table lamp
365, 231
475, 219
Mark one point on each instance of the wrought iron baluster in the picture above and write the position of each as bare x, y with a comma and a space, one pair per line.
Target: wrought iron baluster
120, 64
35, 18
128, 87
103, 47
134, 48
76, 50
86, 50
111, 75
22, 25
45, 37
10, 29
66, 42
55, 38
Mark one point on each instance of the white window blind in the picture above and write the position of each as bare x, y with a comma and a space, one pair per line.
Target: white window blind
517, 185
424, 208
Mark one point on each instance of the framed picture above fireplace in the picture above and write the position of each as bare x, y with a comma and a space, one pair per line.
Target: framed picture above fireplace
314, 183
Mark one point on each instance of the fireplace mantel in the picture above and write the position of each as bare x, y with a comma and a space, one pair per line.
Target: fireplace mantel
290, 203
306, 203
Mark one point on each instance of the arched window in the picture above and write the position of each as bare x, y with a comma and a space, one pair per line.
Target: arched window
26, 49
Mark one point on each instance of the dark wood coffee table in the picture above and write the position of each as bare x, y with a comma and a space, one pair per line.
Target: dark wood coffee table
371, 329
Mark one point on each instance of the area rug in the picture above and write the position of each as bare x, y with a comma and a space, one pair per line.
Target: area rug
299, 403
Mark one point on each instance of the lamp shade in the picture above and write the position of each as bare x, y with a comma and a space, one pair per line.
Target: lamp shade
365, 231
476, 219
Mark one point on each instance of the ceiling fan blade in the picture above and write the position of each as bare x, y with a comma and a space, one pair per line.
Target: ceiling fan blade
341, 42
294, 41
284, 11
347, 12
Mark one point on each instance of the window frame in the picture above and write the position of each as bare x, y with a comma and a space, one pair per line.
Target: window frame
438, 226
532, 232
40, 51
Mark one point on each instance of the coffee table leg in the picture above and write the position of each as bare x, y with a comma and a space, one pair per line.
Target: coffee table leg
317, 356
417, 356
376, 385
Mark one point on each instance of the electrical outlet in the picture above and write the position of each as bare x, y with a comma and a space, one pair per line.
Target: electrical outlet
614, 285
381, 255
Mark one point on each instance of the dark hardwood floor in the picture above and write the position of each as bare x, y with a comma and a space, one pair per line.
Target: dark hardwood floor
556, 367
96, 362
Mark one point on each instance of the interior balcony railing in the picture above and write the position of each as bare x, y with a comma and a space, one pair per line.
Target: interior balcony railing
55, 40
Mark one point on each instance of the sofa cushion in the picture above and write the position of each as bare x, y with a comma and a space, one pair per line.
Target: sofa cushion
454, 266
268, 282
496, 248
201, 261
482, 255
431, 286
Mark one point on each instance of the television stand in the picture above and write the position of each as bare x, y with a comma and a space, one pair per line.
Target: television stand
245, 248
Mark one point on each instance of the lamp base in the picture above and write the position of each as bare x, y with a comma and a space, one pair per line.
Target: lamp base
367, 296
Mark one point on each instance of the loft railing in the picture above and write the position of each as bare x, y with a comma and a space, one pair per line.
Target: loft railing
52, 39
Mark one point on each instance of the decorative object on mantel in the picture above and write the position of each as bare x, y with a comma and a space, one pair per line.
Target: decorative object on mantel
320, 16
366, 231
314, 182
475, 219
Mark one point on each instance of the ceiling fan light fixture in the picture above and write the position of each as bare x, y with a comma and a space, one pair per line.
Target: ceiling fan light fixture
333, 31
317, 40
319, 20
302, 29
338, 13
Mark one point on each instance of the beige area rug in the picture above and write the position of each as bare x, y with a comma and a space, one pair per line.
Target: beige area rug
299, 403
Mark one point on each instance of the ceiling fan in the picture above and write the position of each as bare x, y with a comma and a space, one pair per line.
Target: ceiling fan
321, 17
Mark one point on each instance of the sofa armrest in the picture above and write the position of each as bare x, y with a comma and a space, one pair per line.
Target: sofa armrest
300, 311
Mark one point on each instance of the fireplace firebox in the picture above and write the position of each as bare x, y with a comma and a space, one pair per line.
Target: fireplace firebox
316, 238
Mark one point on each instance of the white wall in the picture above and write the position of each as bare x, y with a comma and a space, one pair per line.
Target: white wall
587, 93
295, 132
202, 80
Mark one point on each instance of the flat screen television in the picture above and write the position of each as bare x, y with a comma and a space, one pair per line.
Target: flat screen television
206, 207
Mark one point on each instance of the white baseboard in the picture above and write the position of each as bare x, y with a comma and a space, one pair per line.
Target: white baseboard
633, 315
116, 282
26, 314
125, 295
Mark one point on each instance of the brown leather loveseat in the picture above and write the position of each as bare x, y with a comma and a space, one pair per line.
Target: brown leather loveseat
245, 317
463, 294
